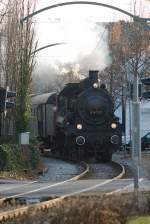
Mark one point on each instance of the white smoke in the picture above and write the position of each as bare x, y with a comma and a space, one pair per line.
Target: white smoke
86, 41
85, 48
86, 44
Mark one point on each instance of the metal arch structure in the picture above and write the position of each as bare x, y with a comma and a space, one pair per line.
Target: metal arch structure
135, 18
47, 46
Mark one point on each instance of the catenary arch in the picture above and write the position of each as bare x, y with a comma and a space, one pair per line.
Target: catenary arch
80, 3
47, 46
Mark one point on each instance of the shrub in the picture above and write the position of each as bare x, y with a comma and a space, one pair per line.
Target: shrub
35, 157
14, 157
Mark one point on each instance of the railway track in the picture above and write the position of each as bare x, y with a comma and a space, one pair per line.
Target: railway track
104, 170
12, 213
85, 168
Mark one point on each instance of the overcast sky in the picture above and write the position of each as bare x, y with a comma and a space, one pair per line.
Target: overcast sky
60, 24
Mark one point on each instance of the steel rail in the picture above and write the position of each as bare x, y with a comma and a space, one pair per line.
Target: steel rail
11, 214
122, 173
77, 177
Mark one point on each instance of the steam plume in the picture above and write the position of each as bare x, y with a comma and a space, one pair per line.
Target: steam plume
86, 48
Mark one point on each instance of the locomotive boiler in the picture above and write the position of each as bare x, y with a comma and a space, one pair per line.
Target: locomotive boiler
86, 125
79, 122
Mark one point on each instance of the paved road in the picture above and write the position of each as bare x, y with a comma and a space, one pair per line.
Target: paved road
49, 186
52, 189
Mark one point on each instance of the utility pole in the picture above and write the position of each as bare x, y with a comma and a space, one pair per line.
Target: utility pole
136, 138
0, 124
124, 114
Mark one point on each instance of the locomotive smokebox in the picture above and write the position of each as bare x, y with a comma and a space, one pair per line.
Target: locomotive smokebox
93, 76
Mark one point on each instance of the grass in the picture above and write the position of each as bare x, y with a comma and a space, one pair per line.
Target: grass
139, 220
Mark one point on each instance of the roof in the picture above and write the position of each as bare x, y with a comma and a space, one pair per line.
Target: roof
70, 89
46, 98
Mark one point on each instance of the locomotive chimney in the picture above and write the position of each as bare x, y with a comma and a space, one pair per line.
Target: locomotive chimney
93, 76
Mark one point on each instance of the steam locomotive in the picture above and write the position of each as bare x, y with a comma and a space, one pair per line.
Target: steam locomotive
78, 122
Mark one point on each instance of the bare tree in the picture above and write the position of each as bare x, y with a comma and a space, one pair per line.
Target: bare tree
3, 13
129, 44
18, 58
114, 72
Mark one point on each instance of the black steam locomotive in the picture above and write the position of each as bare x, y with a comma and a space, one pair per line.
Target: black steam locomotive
79, 122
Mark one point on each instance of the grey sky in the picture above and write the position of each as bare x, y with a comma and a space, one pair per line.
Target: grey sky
69, 23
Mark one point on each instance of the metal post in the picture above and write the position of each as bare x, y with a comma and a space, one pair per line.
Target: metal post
136, 139
0, 124
124, 115
130, 126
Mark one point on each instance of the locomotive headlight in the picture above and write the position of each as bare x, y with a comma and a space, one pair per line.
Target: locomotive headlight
113, 125
79, 126
95, 85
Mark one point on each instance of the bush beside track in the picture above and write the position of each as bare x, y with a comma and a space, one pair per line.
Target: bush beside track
89, 209
17, 161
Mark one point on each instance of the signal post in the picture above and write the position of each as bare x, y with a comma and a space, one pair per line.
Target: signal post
4, 102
